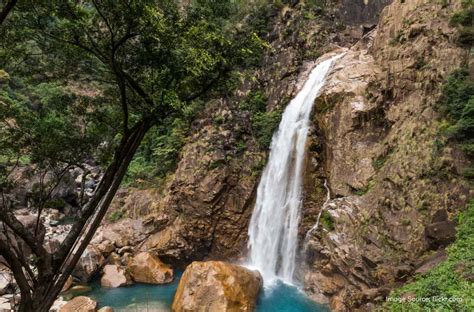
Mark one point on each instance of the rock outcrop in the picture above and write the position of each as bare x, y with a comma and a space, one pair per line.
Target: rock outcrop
79, 304
115, 276
376, 130
89, 264
210, 197
148, 268
216, 286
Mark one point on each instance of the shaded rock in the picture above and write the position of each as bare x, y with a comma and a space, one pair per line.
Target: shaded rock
106, 247
52, 245
147, 268
80, 304
216, 286
125, 232
115, 276
89, 264
440, 234
29, 221
5, 282
432, 262
440, 216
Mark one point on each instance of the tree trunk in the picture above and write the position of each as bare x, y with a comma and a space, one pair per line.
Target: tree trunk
6, 10
49, 286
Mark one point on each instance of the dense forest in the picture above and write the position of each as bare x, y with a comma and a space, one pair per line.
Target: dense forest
237, 155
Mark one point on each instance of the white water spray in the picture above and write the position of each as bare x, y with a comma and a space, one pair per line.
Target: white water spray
273, 228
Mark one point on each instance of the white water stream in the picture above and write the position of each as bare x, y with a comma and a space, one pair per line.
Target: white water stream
273, 229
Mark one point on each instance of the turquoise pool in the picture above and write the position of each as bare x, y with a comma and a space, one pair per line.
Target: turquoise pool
158, 298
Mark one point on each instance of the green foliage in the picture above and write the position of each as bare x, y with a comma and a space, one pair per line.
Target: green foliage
115, 216
364, 190
379, 162
451, 279
327, 221
49, 124
464, 20
64, 62
158, 153
56, 203
255, 102
464, 17
264, 125
458, 103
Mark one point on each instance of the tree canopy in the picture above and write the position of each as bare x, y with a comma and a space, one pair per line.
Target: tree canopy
89, 79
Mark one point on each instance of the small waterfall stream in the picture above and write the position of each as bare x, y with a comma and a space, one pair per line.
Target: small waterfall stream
273, 228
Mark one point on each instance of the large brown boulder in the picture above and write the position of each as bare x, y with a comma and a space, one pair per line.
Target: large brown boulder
148, 268
80, 304
115, 276
216, 286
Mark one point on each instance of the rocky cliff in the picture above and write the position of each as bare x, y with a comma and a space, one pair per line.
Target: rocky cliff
394, 190
375, 142
210, 198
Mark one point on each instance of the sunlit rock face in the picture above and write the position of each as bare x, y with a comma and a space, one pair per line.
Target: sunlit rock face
216, 286
375, 128
147, 268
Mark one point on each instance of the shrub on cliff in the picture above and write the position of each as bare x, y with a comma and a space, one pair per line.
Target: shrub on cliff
457, 103
449, 286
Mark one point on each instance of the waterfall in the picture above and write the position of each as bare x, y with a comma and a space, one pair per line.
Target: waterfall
273, 228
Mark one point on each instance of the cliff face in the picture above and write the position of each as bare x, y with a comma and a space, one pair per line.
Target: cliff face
377, 129
374, 142
209, 201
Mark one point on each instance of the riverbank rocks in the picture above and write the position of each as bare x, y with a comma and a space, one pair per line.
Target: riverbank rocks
115, 276
5, 282
216, 286
80, 304
148, 268
89, 264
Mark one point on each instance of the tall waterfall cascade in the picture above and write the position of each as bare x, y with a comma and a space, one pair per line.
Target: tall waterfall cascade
273, 229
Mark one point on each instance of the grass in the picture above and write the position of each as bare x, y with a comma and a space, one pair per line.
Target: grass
115, 216
449, 286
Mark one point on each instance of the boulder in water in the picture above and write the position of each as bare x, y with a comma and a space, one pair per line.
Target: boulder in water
218, 286
148, 268
80, 304
115, 276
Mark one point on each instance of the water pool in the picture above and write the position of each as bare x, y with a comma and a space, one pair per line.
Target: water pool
158, 298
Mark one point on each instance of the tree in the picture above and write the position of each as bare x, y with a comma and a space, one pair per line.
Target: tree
6, 9
144, 61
